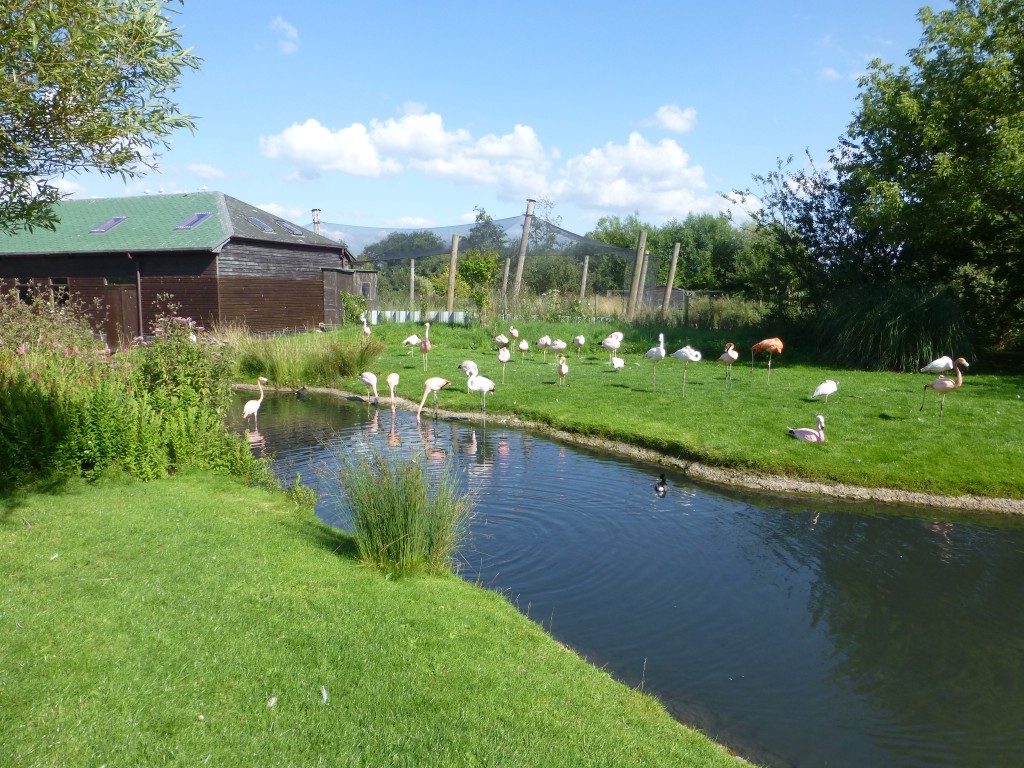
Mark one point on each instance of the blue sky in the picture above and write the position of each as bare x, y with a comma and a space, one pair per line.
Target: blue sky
409, 114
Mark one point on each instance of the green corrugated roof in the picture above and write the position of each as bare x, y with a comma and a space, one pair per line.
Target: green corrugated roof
150, 226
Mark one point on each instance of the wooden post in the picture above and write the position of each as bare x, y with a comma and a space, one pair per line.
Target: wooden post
641, 246
583, 281
671, 279
452, 266
412, 285
518, 284
641, 295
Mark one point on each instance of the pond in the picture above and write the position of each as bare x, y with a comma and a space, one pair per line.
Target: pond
799, 632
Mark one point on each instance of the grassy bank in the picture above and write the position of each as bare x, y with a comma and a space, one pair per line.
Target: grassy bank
877, 434
193, 621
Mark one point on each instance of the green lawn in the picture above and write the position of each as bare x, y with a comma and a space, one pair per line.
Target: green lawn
877, 434
194, 621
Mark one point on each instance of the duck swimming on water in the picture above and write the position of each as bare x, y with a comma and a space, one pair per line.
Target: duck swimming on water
661, 487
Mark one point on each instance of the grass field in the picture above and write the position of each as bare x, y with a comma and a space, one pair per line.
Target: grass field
194, 621
877, 435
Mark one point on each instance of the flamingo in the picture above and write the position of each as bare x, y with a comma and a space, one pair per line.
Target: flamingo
411, 341
826, 388
392, 381
366, 328
370, 380
503, 357
425, 344
524, 345
513, 332
544, 342
944, 385
558, 345
771, 346
501, 340
661, 487
612, 342
579, 341
563, 369
941, 365
477, 383
729, 357
252, 407
434, 384
654, 354
688, 355
808, 435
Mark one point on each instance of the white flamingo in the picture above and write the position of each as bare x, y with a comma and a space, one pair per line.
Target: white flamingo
501, 340
434, 384
252, 407
392, 381
808, 435
618, 363
826, 388
563, 369
729, 357
366, 328
688, 355
477, 383
544, 342
579, 341
558, 345
656, 354
941, 365
612, 342
411, 341
370, 380
944, 385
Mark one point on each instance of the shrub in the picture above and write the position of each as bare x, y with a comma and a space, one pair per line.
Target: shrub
405, 521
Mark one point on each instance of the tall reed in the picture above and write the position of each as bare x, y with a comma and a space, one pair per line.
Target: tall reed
405, 521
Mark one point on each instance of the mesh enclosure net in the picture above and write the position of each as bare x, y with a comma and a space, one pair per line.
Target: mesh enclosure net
554, 263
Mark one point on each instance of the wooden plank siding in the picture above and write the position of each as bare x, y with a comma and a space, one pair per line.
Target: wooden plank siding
242, 257
267, 304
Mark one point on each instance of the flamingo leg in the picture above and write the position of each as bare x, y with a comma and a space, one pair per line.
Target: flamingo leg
655, 369
502, 373
769, 367
942, 405
684, 379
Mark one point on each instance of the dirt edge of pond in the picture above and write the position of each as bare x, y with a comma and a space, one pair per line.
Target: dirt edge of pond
723, 476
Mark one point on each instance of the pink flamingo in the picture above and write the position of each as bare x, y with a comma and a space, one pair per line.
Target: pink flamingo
729, 357
425, 344
944, 386
544, 342
370, 380
808, 435
557, 345
563, 370
503, 357
434, 384
612, 342
513, 332
524, 345
579, 341
392, 381
252, 407
655, 354
771, 346
501, 340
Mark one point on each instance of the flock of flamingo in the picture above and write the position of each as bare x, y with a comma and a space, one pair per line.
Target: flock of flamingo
943, 385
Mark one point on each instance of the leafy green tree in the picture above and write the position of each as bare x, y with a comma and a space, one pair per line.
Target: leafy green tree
87, 85
485, 235
479, 271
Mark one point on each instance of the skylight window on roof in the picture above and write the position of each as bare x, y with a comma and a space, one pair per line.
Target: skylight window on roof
260, 223
193, 221
108, 225
290, 227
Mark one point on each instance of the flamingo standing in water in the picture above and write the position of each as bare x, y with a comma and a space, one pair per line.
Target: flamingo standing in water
809, 435
524, 345
503, 357
425, 344
392, 381
729, 357
252, 407
655, 354
612, 342
370, 380
771, 346
434, 384
563, 369
477, 383
688, 355
944, 385
579, 341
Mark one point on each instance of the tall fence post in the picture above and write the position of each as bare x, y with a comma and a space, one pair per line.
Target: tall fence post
518, 284
452, 266
641, 247
412, 283
671, 279
583, 280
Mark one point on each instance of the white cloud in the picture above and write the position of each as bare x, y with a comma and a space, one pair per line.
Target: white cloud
311, 148
830, 73
206, 171
672, 118
289, 36
414, 222
288, 214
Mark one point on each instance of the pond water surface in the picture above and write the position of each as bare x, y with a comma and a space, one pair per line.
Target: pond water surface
799, 632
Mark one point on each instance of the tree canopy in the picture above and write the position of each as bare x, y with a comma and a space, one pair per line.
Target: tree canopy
87, 85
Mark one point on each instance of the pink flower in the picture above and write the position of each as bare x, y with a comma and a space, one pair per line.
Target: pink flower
22, 348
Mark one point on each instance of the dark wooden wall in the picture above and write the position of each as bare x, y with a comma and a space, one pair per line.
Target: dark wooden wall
267, 304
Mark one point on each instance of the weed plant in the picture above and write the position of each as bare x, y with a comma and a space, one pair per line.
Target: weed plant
404, 520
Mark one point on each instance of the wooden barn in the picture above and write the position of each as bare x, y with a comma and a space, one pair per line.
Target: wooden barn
222, 260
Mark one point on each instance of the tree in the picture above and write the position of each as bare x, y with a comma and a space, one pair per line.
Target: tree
87, 85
